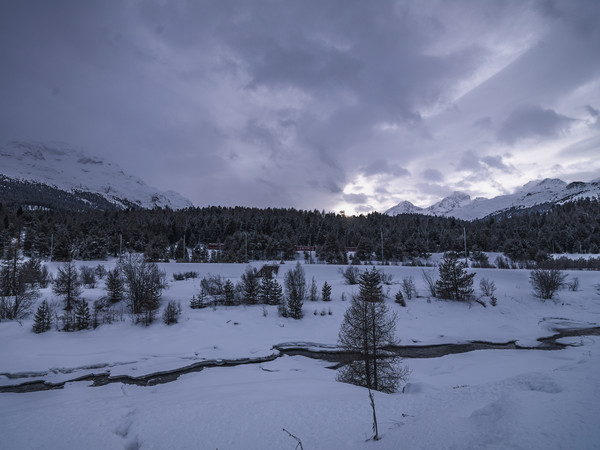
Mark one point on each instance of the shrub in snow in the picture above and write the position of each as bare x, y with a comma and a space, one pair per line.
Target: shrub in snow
400, 299
350, 274
545, 282
386, 278
100, 271
493, 300
408, 286
479, 259
313, 294
574, 284
428, 278
171, 313
213, 286
198, 302
88, 277
488, 287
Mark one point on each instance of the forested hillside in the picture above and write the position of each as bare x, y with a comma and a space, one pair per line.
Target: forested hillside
249, 233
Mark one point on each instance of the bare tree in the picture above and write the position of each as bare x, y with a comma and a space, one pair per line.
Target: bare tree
144, 285
408, 286
17, 293
67, 284
545, 282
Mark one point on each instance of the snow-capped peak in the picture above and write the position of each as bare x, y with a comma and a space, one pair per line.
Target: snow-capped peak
537, 192
70, 169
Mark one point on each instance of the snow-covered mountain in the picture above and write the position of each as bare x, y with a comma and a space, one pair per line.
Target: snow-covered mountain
535, 193
71, 170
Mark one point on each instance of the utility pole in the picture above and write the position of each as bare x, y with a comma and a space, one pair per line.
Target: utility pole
184, 250
246, 245
465, 238
382, 247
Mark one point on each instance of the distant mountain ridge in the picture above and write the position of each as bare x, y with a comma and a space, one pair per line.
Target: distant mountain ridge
57, 172
533, 194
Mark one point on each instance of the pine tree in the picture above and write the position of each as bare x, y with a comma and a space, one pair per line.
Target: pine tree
367, 328
82, 315
295, 286
42, 319
229, 293
115, 289
326, 292
454, 283
67, 284
250, 287
277, 294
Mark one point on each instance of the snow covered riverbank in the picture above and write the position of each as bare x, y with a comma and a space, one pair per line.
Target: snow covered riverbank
481, 399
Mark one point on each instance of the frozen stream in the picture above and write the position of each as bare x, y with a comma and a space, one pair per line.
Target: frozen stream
310, 350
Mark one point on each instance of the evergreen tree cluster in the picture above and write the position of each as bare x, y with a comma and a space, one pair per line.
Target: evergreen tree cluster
243, 234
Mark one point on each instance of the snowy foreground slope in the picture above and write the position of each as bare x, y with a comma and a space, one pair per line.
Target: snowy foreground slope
62, 166
535, 193
520, 399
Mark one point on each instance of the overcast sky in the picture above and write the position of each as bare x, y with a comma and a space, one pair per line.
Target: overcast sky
327, 104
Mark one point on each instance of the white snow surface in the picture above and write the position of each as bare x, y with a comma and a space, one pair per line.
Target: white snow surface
539, 192
487, 399
68, 168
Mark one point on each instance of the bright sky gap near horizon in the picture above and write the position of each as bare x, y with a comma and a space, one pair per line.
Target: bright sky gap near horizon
334, 104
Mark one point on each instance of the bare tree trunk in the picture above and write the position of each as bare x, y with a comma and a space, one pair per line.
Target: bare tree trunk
299, 445
376, 433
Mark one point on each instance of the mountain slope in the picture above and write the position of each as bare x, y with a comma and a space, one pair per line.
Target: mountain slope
84, 179
535, 193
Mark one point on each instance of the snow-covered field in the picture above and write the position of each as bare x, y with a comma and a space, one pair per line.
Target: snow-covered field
521, 399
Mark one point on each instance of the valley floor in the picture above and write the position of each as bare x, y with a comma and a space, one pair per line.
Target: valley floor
519, 399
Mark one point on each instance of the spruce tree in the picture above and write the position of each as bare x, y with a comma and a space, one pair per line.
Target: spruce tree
42, 319
455, 283
115, 290
326, 292
229, 293
82, 315
295, 286
250, 287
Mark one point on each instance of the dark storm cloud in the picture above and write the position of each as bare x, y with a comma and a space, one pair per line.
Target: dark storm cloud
432, 175
356, 198
381, 167
288, 103
532, 122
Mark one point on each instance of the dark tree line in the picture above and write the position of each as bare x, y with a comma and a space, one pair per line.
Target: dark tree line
243, 234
